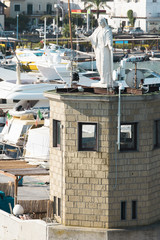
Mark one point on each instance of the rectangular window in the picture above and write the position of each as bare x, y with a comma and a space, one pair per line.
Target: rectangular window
29, 9
87, 137
59, 207
54, 206
1, 10
49, 8
157, 134
134, 209
4, 101
154, 0
17, 8
128, 136
56, 133
123, 210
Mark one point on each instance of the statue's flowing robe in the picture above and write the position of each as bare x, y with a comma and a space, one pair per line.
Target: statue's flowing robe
102, 43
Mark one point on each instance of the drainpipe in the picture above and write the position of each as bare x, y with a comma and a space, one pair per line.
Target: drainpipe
121, 87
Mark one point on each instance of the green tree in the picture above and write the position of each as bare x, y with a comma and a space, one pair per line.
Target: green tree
23, 21
49, 19
66, 32
10, 23
130, 17
75, 19
97, 5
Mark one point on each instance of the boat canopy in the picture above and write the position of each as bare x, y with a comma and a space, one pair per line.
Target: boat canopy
37, 146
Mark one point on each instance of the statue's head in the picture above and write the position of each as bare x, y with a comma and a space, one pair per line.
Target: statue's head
102, 22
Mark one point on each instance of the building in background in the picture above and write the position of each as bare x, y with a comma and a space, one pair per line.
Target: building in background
2, 7
145, 12
33, 9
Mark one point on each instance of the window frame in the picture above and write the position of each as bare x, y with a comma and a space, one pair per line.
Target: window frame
80, 125
135, 133
56, 133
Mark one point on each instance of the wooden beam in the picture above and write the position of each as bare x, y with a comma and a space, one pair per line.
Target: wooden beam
16, 169
15, 190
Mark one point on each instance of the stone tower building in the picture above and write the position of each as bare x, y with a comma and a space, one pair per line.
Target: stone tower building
92, 183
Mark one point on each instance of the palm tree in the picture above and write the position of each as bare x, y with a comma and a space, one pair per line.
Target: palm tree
97, 4
66, 31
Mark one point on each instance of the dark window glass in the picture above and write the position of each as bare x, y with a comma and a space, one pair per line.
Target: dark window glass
134, 209
128, 136
24, 130
88, 137
123, 210
4, 101
1, 10
56, 133
157, 133
59, 207
17, 8
54, 206
49, 8
29, 9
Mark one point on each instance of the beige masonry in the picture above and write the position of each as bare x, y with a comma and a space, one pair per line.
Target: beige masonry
87, 183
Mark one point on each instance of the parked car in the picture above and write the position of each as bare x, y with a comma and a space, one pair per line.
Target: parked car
117, 30
137, 31
127, 29
7, 33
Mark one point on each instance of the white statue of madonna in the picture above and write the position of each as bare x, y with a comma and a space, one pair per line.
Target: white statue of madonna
102, 43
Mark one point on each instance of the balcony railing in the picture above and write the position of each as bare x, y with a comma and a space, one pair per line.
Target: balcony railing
155, 15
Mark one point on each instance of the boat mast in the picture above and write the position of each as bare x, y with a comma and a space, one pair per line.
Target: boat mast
70, 29
45, 33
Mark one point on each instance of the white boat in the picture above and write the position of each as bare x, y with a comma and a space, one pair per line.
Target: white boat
2, 119
154, 58
28, 58
134, 58
14, 134
36, 149
29, 88
2, 56
63, 71
8, 62
54, 48
126, 77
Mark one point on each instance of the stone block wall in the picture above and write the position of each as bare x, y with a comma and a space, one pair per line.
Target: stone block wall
92, 185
